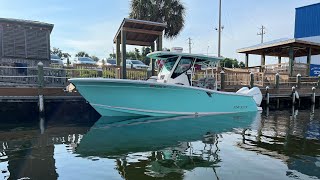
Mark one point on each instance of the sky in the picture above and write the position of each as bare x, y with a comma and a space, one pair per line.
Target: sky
91, 25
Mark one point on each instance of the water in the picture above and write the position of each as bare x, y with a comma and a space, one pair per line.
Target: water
272, 145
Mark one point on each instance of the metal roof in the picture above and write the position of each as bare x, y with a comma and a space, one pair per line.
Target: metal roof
167, 54
280, 47
27, 22
140, 32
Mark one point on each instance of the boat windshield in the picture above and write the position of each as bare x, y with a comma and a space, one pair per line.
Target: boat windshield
183, 66
169, 63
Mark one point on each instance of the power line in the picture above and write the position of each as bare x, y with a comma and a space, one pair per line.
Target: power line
262, 32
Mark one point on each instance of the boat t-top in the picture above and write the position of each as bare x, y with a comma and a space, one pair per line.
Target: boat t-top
171, 93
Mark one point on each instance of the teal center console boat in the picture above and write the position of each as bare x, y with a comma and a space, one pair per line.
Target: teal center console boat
171, 93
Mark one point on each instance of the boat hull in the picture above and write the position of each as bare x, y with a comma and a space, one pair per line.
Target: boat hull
111, 97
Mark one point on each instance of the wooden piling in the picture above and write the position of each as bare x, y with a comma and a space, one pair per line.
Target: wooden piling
222, 80
267, 96
41, 104
40, 87
40, 75
277, 81
278, 103
251, 80
293, 95
313, 96
298, 81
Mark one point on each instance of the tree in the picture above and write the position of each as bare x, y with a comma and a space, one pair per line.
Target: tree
112, 56
66, 56
171, 12
242, 65
137, 53
95, 58
230, 63
82, 54
56, 51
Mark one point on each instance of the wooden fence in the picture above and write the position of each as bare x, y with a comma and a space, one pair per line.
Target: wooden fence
58, 77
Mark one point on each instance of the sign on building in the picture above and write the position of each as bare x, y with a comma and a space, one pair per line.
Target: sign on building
314, 69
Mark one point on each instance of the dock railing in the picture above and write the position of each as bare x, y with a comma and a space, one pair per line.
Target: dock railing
233, 78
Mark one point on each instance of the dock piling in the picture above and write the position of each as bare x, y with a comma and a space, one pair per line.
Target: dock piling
319, 81
277, 81
222, 80
313, 98
251, 80
40, 75
267, 96
41, 104
40, 87
298, 81
293, 95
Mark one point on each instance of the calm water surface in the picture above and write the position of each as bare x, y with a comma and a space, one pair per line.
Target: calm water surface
273, 145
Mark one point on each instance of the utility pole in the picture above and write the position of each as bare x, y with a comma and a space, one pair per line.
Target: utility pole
262, 32
219, 31
189, 39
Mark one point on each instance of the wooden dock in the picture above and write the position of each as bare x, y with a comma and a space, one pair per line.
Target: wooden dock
47, 84
31, 94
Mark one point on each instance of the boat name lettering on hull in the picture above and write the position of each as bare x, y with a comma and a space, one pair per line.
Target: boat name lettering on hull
240, 107
157, 86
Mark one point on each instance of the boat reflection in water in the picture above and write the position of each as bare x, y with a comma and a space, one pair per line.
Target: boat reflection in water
170, 145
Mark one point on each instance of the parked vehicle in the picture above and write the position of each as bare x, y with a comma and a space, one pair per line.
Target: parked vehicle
56, 60
111, 62
108, 62
136, 64
84, 60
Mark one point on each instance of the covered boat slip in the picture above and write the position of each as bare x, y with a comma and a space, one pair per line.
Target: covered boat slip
138, 33
289, 48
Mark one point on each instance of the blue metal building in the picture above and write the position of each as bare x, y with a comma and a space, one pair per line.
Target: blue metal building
307, 21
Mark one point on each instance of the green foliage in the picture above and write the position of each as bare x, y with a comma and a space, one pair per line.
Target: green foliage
136, 54
56, 51
61, 54
82, 54
242, 65
112, 56
171, 12
231, 63
95, 58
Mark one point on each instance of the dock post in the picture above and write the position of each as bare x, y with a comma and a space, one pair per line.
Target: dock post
267, 96
40, 75
117, 73
298, 81
293, 95
41, 104
313, 99
40, 87
251, 80
277, 81
222, 80
319, 81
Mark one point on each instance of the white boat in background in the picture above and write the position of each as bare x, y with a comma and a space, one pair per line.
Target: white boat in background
171, 93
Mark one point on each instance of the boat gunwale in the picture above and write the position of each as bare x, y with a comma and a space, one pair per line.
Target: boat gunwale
153, 83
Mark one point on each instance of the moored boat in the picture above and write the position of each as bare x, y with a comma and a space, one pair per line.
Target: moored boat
171, 93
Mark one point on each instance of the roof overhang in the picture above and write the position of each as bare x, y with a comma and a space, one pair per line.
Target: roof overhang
27, 23
281, 48
139, 32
